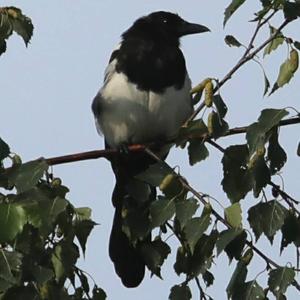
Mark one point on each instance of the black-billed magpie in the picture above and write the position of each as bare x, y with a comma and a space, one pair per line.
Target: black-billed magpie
145, 98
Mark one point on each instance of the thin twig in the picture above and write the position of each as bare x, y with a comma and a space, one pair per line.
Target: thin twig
245, 58
216, 214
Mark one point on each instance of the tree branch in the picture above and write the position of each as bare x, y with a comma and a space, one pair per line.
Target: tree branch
245, 57
200, 197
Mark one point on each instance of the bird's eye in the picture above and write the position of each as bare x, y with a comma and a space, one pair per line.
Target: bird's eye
165, 21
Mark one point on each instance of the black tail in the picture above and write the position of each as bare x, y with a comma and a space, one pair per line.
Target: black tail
128, 262
127, 259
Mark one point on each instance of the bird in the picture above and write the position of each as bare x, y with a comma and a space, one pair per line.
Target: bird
145, 98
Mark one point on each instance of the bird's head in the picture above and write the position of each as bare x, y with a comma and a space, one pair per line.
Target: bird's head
163, 25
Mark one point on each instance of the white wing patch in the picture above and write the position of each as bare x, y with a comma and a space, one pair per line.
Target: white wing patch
129, 115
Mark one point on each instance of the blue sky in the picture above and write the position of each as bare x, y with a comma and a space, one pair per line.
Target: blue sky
47, 90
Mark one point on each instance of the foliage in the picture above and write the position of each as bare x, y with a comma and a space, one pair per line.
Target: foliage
39, 226
41, 234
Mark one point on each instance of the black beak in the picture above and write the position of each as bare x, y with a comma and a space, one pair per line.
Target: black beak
191, 28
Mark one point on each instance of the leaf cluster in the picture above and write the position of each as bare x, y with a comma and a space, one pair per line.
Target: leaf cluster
41, 234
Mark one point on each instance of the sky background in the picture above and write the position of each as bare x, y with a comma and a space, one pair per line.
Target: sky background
47, 90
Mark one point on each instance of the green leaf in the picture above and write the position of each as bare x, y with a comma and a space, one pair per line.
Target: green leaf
22, 25
267, 218
12, 220
161, 211
155, 174
237, 279
203, 254
231, 41
82, 231
235, 248
12, 19
194, 129
10, 263
276, 154
231, 9
250, 290
41, 208
237, 181
180, 292
287, 70
4, 149
63, 259
154, 253
42, 274
98, 294
220, 106
83, 213
275, 43
208, 278
27, 175
260, 173
267, 83
136, 223
257, 133
233, 215
280, 279
182, 263
197, 151
195, 227
297, 44
291, 10
217, 127
290, 231
171, 186
185, 209
225, 238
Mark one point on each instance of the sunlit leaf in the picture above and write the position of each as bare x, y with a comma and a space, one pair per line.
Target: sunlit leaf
233, 215
275, 43
194, 129
287, 70
217, 126
12, 220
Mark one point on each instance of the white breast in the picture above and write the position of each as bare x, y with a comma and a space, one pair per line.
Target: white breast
129, 115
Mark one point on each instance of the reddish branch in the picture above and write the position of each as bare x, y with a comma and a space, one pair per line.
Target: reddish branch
137, 148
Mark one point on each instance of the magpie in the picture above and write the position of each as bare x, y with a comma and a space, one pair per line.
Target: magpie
145, 99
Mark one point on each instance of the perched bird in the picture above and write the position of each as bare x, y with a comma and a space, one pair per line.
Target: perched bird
145, 98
